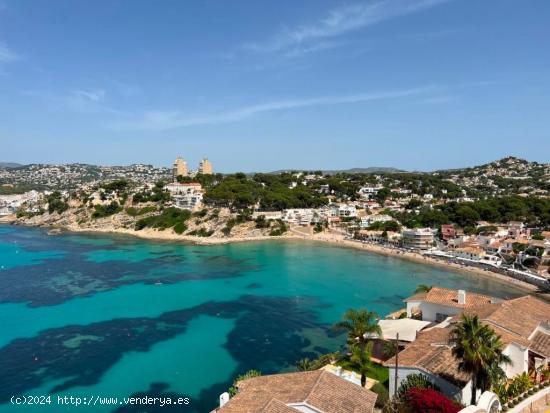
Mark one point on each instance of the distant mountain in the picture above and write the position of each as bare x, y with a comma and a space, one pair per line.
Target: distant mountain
509, 166
369, 170
8, 165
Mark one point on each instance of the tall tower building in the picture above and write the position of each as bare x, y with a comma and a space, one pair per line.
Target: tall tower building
205, 167
179, 168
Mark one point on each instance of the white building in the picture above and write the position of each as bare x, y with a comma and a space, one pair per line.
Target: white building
368, 220
187, 201
299, 216
369, 192
521, 323
185, 195
10, 203
419, 238
268, 215
344, 210
176, 188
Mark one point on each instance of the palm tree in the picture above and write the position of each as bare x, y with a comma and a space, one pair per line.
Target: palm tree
479, 351
360, 357
304, 364
358, 323
423, 288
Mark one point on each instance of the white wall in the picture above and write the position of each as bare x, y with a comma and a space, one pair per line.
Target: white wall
430, 310
519, 358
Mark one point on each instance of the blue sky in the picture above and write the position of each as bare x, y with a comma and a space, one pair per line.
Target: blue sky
264, 85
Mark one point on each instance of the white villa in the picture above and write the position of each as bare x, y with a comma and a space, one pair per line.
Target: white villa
368, 220
522, 324
185, 195
369, 192
176, 188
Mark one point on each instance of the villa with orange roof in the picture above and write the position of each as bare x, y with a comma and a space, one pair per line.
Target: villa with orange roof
523, 325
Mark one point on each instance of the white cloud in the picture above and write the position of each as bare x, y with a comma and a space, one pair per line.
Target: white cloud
7, 55
79, 101
341, 21
95, 95
126, 89
163, 120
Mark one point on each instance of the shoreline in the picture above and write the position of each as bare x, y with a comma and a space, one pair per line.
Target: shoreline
422, 259
332, 239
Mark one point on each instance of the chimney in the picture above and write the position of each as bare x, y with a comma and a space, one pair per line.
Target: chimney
461, 297
224, 398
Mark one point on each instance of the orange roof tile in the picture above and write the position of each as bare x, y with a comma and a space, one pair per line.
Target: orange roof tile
445, 296
319, 389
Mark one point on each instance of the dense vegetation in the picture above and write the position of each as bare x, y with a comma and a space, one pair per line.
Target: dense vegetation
157, 194
19, 188
534, 211
169, 218
56, 203
272, 192
134, 212
102, 211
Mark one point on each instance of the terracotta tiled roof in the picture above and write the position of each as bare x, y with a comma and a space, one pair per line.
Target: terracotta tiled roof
431, 352
540, 343
445, 296
322, 390
513, 320
520, 316
276, 406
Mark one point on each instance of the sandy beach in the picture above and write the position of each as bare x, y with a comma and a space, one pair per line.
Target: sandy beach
295, 234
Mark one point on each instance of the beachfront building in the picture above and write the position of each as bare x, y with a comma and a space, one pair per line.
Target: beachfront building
205, 167
316, 391
10, 203
472, 253
268, 215
448, 232
179, 168
344, 210
190, 201
185, 195
522, 324
368, 220
303, 216
475, 254
418, 238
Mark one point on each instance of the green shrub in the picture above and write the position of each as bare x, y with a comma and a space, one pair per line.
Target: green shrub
229, 226
249, 374
203, 232
101, 211
56, 203
279, 231
261, 222
170, 217
414, 381
383, 395
180, 228
201, 214
133, 212
147, 209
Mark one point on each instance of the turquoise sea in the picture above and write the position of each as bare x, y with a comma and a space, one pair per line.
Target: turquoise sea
95, 315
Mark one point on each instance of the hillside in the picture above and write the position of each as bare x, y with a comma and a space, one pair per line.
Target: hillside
8, 165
